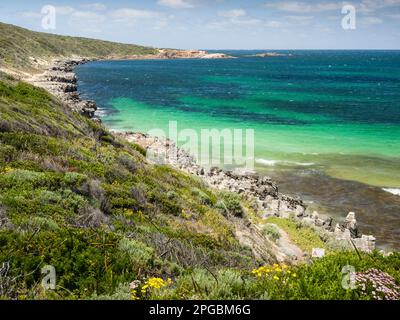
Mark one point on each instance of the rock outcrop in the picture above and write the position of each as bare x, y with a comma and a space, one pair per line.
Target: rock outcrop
60, 80
270, 54
173, 54
190, 54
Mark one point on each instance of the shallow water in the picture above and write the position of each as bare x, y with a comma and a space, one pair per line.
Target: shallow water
327, 123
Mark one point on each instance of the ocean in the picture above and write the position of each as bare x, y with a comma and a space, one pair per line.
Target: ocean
326, 123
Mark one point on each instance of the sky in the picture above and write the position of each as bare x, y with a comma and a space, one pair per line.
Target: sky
218, 24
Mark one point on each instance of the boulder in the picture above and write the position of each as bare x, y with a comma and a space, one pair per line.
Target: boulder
350, 223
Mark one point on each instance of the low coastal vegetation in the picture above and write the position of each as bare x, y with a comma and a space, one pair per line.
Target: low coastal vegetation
303, 236
21, 49
75, 197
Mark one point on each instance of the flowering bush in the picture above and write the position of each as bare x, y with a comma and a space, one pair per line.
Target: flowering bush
377, 284
6, 170
276, 272
152, 283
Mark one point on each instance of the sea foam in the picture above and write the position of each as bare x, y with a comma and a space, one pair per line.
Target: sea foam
268, 162
394, 191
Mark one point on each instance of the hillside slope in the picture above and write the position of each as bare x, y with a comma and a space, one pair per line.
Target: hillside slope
22, 48
75, 197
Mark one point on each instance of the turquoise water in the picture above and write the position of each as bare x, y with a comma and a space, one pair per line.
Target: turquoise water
326, 123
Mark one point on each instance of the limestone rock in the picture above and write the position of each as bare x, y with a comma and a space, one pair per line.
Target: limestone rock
350, 223
60, 80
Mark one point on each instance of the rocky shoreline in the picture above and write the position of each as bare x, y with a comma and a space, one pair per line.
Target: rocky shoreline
61, 81
175, 54
268, 201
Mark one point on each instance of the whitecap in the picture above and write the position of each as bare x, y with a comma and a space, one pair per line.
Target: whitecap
305, 164
266, 162
394, 191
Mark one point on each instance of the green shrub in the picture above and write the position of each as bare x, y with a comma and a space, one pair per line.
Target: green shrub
74, 179
121, 293
86, 261
43, 223
7, 153
139, 149
203, 197
137, 251
204, 284
128, 162
272, 232
231, 202
303, 236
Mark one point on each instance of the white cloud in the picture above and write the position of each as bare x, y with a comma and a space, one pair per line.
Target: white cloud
235, 13
64, 10
84, 16
176, 4
88, 16
304, 7
160, 24
235, 17
370, 21
298, 19
273, 24
121, 14
228, 23
250, 22
31, 14
373, 5
239, 17
97, 6
98, 14
394, 15
129, 14
326, 30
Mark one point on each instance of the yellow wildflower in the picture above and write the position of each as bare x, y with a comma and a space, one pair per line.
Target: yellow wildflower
134, 295
6, 170
155, 283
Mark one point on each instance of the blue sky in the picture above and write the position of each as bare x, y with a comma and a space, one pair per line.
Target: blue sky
218, 24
